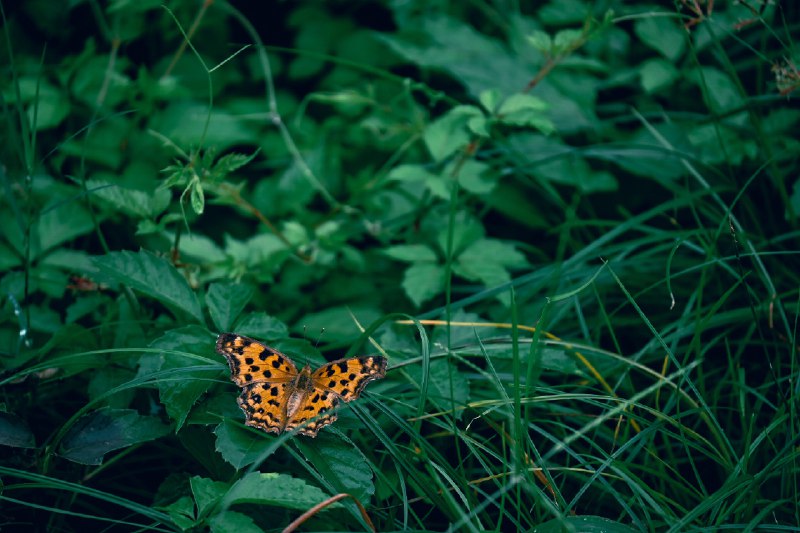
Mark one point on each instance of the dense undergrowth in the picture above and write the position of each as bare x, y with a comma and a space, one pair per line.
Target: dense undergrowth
571, 228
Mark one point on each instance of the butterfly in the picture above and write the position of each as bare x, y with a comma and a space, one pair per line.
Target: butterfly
276, 397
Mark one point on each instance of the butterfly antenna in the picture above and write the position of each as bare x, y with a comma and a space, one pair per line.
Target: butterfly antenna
321, 331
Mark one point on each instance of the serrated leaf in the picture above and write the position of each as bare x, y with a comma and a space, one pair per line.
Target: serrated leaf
423, 281
449, 133
340, 463
229, 163
411, 253
106, 430
278, 490
262, 326
182, 512
181, 391
225, 301
133, 202
238, 445
150, 275
206, 493
476, 177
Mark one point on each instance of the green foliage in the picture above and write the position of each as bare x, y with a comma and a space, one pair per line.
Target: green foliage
594, 208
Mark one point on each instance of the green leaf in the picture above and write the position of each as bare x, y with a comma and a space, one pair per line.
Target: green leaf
233, 522
662, 34
423, 281
239, 445
340, 463
106, 430
229, 163
525, 110
141, 204
411, 173
541, 41
198, 200
490, 99
61, 223
278, 490
15, 432
262, 326
657, 74
410, 253
206, 493
180, 391
182, 512
449, 133
225, 301
494, 251
153, 276
476, 177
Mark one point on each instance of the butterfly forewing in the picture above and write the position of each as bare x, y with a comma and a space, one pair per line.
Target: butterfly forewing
253, 362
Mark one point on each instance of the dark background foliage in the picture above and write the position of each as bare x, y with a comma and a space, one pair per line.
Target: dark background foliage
570, 226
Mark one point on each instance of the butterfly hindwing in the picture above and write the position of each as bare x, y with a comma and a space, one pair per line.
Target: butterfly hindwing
264, 405
348, 377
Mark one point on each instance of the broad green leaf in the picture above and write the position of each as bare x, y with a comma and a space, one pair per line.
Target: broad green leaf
657, 74
180, 391
153, 276
490, 99
411, 253
340, 463
182, 512
494, 251
411, 173
14, 432
137, 203
476, 177
423, 281
525, 110
722, 93
278, 490
106, 430
337, 322
206, 493
61, 223
540, 40
262, 326
238, 445
225, 301
567, 39
233, 522
663, 34
229, 163
184, 122
449, 133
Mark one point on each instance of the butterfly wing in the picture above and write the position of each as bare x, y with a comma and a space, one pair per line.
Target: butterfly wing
332, 383
264, 405
253, 362
346, 378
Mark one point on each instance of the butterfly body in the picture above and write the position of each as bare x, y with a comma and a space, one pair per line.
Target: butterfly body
276, 397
